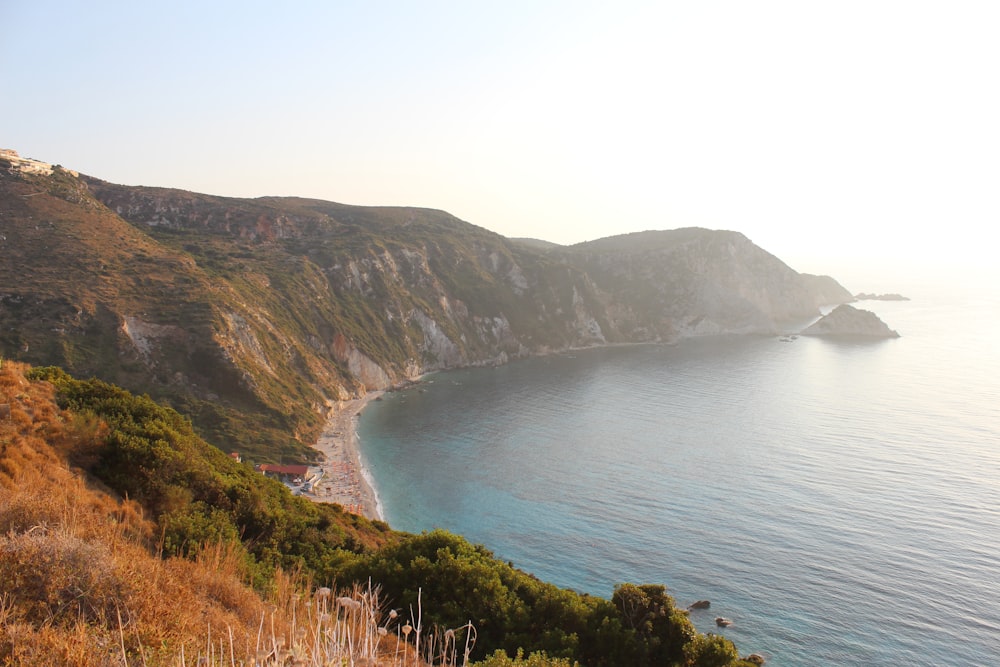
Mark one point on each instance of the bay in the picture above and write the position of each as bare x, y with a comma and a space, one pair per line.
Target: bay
839, 500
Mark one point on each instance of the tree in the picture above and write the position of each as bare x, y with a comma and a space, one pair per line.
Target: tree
663, 631
711, 651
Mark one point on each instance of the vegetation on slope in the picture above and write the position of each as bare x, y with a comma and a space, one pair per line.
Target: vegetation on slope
512, 610
198, 495
84, 290
184, 496
83, 580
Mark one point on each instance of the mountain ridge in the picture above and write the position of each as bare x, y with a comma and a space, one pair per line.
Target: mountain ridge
256, 316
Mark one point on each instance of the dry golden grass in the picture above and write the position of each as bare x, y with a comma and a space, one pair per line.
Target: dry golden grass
83, 584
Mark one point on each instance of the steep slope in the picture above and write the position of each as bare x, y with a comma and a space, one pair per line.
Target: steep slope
84, 582
254, 316
271, 309
83, 289
669, 284
413, 289
826, 290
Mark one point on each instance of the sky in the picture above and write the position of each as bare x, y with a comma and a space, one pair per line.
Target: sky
844, 137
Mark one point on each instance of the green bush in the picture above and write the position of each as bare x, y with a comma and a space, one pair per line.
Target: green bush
197, 494
458, 582
710, 651
499, 658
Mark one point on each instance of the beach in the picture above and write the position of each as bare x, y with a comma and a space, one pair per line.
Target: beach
343, 478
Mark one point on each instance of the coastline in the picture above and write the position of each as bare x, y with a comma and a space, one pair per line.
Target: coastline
344, 478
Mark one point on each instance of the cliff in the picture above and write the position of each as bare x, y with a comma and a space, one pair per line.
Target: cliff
847, 320
254, 316
665, 285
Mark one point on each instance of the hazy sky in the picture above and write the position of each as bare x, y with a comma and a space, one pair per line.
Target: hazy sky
830, 133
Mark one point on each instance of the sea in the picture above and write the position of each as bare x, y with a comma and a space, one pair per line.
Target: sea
838, 500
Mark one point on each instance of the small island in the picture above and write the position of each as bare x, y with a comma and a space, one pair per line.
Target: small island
871, 296
845, 320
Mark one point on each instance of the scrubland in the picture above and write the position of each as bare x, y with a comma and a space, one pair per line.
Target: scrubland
125, 539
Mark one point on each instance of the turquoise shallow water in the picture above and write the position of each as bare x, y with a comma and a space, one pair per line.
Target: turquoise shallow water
840, 501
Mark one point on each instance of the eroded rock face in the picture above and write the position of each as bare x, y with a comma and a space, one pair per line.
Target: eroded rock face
439, 350
663, 285
847, 320
370, 374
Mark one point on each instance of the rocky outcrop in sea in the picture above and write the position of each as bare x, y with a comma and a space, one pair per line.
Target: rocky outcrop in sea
845, 320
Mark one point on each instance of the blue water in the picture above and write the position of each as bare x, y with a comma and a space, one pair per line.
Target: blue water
839, 501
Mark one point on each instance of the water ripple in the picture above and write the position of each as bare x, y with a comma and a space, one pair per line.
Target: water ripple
840, 501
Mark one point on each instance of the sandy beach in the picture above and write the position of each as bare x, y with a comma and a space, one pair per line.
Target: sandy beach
343, 480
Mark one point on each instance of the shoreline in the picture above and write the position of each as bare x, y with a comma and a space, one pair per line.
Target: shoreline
345, 480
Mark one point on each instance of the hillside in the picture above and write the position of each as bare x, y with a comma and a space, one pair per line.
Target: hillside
126, 539
254, 316
665, 285
84, 582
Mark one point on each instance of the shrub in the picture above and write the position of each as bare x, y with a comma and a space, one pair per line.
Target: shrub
197, 494
710, 651
499, 658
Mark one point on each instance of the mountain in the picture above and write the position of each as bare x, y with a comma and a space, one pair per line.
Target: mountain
665, 285
254, 316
